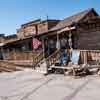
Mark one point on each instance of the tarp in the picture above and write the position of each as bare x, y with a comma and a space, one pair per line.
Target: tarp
75, 56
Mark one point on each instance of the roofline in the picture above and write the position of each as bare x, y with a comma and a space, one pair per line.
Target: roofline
39, 21
34, 21
95, 11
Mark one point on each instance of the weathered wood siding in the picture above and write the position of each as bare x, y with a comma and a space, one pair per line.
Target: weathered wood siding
37, 28
23, 32
89, 39
89, 56
42, 27
21, 55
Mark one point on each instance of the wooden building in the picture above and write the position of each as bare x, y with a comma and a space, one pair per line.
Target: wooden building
36, 27
83, 29
80, 31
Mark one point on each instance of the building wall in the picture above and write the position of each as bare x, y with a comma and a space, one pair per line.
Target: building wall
89, 38
27, 31
52, 23
42, 27
32, 29
2, 39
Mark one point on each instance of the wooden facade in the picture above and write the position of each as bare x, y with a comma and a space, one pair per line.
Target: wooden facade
80, 31
35, 27
90, 34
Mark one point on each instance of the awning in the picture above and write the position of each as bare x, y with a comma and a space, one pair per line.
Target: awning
66, 29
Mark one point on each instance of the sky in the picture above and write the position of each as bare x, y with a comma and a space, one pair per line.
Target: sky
13, 13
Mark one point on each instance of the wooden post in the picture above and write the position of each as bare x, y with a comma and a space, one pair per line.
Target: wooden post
45, 60
70, 44
58, 42
70, 39
2, 51
8, 54
48, 47
85, 57
43, 47
14, 53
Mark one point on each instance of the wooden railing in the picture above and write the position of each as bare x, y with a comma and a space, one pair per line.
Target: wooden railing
37, 59
53, 58
90, 56
86, 56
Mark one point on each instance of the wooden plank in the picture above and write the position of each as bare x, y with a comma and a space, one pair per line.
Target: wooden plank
61, 67
5, 69
71, 67
66, 29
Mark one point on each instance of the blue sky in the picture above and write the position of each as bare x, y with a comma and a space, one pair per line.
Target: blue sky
13, 13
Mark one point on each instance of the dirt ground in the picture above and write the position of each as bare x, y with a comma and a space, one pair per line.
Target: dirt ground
30, 85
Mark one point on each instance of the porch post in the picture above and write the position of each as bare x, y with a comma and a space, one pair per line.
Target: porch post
58, 42
70, 39
46, 64
2, 53
85, 57
70, 44
48, 47
43, 47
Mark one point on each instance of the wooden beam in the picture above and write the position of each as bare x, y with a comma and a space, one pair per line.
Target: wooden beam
66, 29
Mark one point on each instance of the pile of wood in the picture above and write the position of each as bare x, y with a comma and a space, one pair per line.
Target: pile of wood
8, 67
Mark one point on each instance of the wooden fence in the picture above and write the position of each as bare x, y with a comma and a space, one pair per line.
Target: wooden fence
90, 56
21, 55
